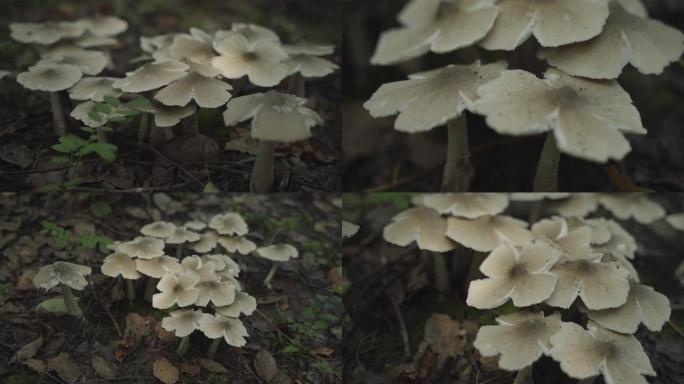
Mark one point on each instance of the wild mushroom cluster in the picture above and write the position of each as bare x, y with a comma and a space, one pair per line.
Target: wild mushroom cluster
578, 297
579, 101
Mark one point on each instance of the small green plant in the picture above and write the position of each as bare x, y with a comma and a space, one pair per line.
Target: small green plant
65, 239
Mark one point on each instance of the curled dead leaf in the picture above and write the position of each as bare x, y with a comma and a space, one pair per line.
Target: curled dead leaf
166, 372
35, 365
190, 368
102, 367
212, 366
66, 369
29, 350
265, 365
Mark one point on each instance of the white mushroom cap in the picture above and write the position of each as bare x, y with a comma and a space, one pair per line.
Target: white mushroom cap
577, 205
224, 266
45, 33
430, 99
90, 40
644, 305
572, 242
621, 243
309, 49
260, 61
182, 322
61, 272
435, 25
624, 263
157, 43
232, 330
468, 205
143, 247
536, 196
635, 7
278, 252
552, 22
488, 232
647, 44
588, 118
309, 66
152, 76
197, 46
517, 273
165, 116
205, 91
276, 116
182, 235
176, 289
633, 205
104, 26
521, 338
159, 266
159, 229
587, 353
206, 243
239, 244
120, 264
252, 32
349, 229
195, 225
219, 292
89, 62
82, 113
50, 77
600, 233
94, 88
420, 224
3, 73
676, 221
243, 303
229, 224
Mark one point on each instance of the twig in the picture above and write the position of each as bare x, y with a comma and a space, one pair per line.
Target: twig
402, 325
676, 328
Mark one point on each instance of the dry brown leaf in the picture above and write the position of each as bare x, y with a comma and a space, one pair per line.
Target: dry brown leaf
265, 365
29, 350
242, 142
444, 336
66, 369
324, 350
190, 368
25, 281
35, 365
281, 378
102, 367
166, 372
212, 366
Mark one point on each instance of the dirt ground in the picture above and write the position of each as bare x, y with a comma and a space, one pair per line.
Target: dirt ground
377, 158
294, 334
392, 298
179, 164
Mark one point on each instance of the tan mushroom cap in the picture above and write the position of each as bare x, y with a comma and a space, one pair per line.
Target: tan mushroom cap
182, 322
215, 290
205, 91
260, 61
224, 266
89, 62
577, 205
159, 229
197, 46
165, 116
588, 118
621, 243
488, 232
152, 76
635, 7
252, 32
195, 225
647, 44
572, 242
437, 26
430, 99
243, 304
81, 113
517, 273
231, 224
552, 22
61, 272
537, 196
50, 77
239, 244
587, 353
159, 266
217, 326
349, 229
521, 338
206, 243
420, 224
633, 205
94, 88
45, 33
600, 233
143, 247
644, 305
278, 252
176, 289
104, 26
676, 221
309, 66
467, 205
182, 235
90, 40
309, 49
275, 116
120, 264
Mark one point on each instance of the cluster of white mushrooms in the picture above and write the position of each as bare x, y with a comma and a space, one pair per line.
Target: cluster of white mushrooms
579, 102
567, 262
183, 72
200, 285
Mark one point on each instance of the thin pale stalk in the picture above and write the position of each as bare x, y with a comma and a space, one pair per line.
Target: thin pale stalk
130, 289
546, 178
183, 345
439, 265
211, 353
457, 170
271, 274
70, 301
58, 116
524, 376
191, 125
144, 129
262, 174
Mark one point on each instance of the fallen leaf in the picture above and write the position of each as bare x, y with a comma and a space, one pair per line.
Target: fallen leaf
29, 350
265, 365
166, 372
65, 367
444, 336
622, 182
281, 378
19, 155
190, 369
242, 142
324, 350
102, 367
25, 281
199, 149
318, 150
212, 366
35, 365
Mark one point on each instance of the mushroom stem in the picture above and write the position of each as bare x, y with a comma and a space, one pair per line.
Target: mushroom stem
144, 129
262, 174
546, 178
70, 301
441, 272
101, 135
179, 251
269, 277
191, 125
130, 290
150, 288
183, 345
457, 171
590, 380
58, 117
524, 376
211, 353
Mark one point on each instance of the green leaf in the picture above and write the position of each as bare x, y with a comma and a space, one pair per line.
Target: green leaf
104, 108
68, 144
106, 129
128, 113
52, 187
55, 306
101, 209
117, 119
87, 129
105, 150
60, 159
96, 116
113, 101
290, 349
137, 103
211, 188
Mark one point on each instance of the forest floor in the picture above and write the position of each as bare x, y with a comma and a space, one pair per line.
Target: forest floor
295, 334
220, 157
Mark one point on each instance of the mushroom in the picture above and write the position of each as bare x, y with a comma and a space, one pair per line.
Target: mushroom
633, 205
94, 88
206, 243
213, 288
182, 322
52, 77
104, 26
67, 276
577, 205
571, 242
647, 44
587, 118
304, 61
420, 224
349, 229
244, 303
276, 117
89, 62
196, 46
586, 353
119, 263
177, 289
552, 22
261, 61
158, 229
152, 76
644, 305
434, 98
517, 273
220, 327
143, 247
676, 221
521, 338
239, 244
45, 33
278, 253
252, 32
435, 25
487, 232
231, 224
467, 205
157, 267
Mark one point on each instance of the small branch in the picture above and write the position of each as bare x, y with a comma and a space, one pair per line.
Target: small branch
59, 119
271, 274
546, 178
524, 376
403, 331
